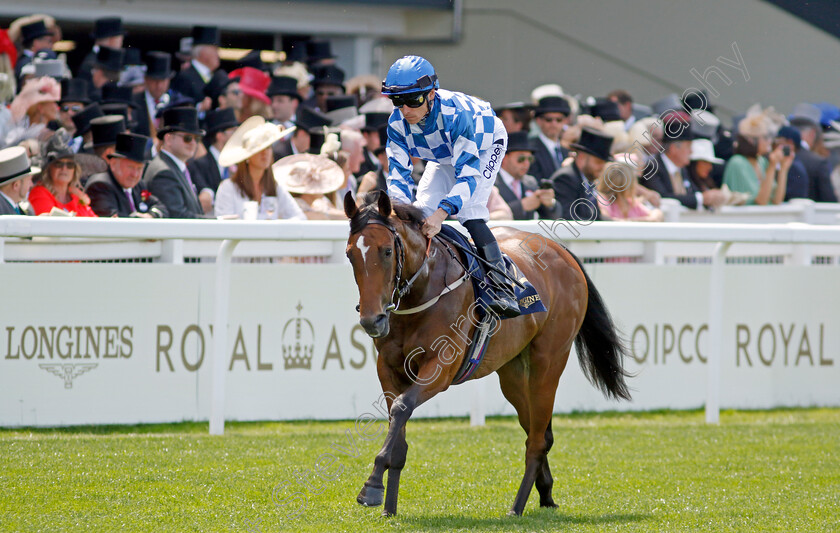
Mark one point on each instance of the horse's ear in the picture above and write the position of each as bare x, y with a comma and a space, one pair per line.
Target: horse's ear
350, 208
384, 204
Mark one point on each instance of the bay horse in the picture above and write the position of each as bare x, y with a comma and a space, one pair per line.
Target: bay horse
397, 268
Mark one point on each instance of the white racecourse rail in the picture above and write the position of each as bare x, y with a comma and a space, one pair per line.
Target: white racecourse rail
131, 321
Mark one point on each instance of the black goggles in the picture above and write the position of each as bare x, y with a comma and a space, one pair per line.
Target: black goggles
413, 100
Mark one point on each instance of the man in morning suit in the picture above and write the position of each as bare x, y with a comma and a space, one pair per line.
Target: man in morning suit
552, 117
205, 60
519, 190
167, 176
15, 180
574, 185
205, 171
116, 192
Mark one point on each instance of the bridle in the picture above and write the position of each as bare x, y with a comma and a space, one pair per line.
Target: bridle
402, 288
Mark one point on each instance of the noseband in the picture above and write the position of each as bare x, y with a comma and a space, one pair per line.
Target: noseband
400, 291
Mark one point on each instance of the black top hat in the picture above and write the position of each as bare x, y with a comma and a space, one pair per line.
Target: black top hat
295, 51
74, 90
283, 85
318, 50
107, 27
513, 106
340, 102
108, 58
595, 143
518, 142
606, 109
328, 75
105, 130
115, 94
180, 119
82, 119
130, 146
375, 120
218, 83
306, 119
133, 57
159, 65
694, 99
252, 59
220, 119
206, 35
317, 136
552, 104
34, 30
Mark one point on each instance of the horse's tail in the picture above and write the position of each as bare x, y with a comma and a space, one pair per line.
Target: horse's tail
600, 349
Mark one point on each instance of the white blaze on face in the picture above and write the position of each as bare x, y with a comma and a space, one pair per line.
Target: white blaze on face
360, 244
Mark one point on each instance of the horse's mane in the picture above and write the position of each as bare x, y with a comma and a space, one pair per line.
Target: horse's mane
370, 210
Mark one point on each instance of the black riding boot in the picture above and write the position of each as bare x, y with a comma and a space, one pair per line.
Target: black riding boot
504, 302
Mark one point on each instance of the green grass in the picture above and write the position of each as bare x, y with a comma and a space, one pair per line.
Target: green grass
663, 471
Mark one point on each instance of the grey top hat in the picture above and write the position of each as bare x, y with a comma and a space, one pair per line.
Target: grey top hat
806, 111
15, 165
669, 103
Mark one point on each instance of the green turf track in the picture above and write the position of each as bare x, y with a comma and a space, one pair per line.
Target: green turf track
757, 471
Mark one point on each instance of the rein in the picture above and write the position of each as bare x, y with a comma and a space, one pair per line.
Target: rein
400, 291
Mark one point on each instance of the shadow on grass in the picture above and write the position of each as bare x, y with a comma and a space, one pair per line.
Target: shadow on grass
529, 521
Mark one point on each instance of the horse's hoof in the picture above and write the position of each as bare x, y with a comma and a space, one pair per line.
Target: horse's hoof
513, 512
549, 505
371, 496
386, 514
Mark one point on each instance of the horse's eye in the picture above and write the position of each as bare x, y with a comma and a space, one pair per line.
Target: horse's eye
388, 252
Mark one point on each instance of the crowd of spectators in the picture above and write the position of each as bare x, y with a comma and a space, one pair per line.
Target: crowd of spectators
133, 133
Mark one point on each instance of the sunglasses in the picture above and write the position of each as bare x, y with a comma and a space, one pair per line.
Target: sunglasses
552, 119
235, 92
412, 100
74, 108
523, 158
187, 138
69, 165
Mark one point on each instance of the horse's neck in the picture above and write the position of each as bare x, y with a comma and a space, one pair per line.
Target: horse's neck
440, 269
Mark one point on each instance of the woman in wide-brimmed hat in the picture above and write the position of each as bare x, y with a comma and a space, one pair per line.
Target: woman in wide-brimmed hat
60, 185
312, 179
252, 191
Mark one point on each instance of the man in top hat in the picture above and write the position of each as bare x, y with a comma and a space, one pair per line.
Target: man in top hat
519, 190
224, 92
16, 174
104, 131
167, 175
284, 100
205, 60
74, 98
319, 54
37, 41
300, 141
605, 109
107, 31
328, 81
667, 172
374, 131
155, 94
516, 116
552, 118
115, 193
574, 185
106, 68
205, 171
81, 121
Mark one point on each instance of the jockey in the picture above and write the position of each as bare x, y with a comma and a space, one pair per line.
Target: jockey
463, 144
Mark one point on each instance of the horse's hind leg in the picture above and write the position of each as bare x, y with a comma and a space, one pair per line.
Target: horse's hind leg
544, 371
544, 480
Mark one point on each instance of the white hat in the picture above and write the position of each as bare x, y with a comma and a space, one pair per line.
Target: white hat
15, 165
702, 150
251, 137
308, 174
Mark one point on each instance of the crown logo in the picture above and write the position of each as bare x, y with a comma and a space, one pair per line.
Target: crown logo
297, 351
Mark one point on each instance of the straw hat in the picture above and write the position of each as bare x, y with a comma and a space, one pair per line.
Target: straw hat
251, 137
308, 174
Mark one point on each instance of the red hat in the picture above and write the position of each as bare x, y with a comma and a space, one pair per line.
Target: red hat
253, 82
7, 47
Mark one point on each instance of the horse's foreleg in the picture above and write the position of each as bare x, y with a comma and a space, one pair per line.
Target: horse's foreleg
392, 455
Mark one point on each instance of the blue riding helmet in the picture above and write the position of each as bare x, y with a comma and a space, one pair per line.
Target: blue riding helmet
409, 74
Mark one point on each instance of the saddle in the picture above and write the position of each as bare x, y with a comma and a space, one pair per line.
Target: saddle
527, 298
